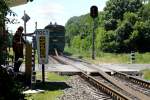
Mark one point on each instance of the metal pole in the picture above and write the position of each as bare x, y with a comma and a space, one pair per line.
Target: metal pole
93, 40
35, 25
43, 73
25, 25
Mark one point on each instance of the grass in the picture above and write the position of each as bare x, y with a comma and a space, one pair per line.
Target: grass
53, 87
52, 77
146, 74
48, 95
101, 57
111, 58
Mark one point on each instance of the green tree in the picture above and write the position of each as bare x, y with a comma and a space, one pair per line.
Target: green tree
78, 25
100, 38
131, 17
3, 12
72, 28
9, 87
143, 38
108, 42
76, 43
111, 24
116, 8
144, 12
124, 25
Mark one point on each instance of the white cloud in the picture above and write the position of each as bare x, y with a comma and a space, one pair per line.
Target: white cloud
46, 11
51, 8
43, 14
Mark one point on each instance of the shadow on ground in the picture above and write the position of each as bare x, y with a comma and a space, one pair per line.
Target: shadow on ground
51, 86
67, 53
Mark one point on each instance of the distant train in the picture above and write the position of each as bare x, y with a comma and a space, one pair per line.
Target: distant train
56, 38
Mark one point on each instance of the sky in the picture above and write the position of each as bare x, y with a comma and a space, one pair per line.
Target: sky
45, 11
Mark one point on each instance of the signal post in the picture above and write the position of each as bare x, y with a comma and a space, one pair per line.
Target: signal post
93, 14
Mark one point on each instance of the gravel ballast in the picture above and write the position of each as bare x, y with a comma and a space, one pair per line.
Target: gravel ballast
82, 90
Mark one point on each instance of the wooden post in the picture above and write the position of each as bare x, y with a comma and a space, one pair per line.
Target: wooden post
28, 64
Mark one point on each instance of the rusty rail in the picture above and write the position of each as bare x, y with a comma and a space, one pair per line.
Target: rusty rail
114, 93
133, 79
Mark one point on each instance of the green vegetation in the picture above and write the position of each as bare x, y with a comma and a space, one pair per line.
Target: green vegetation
3, 10
48, 95
122, 27
10, 87
146, 74
5, 36
102, 57
53, 87
52, 77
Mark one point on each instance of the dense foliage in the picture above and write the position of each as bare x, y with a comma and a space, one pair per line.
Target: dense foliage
3, 11
123, 26
5, 37
10, 89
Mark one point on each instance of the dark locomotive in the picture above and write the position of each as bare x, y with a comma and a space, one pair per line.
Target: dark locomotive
56, 38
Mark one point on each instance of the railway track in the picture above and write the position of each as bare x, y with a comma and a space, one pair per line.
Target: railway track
134, 86
108, 84
133, 82
132, 79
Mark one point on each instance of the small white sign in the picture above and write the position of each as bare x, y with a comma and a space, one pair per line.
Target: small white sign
42, 38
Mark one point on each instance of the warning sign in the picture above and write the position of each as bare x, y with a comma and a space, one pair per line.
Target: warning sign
42, 38
42, 47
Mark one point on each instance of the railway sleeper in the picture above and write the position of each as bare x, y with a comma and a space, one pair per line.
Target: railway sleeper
141, 83
132, 79
114, 94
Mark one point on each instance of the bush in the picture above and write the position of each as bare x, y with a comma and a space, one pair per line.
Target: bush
10, 89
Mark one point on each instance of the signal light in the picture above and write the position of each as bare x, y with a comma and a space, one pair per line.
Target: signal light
94, 11
29, 0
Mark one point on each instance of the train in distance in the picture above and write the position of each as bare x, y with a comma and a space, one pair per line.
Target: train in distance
56, 38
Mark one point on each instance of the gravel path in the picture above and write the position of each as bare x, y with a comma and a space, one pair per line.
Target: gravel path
81, 90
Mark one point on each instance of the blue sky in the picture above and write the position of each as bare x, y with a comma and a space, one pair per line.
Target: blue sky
46, 11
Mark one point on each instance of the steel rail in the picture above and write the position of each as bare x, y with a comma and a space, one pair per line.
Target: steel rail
133, 79
137, 94
107, 89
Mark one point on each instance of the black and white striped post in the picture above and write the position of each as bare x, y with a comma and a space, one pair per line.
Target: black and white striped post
132, 57
33, 60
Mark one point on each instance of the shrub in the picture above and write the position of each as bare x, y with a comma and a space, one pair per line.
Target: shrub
10, 89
